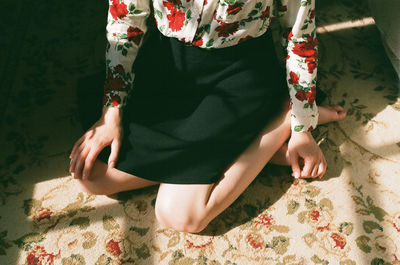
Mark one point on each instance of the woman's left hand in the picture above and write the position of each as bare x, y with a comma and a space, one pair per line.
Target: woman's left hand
302, 145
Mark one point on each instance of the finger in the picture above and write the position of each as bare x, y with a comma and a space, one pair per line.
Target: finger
76, 150
320, 170
294, 161
338, 107
308, 166
74, 159
115, 146
89, 162
76, 145
314, 172
324, 167
80, 163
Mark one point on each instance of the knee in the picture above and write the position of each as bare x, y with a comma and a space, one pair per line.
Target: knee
181, 220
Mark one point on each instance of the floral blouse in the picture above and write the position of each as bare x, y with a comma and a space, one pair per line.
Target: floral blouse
216, 24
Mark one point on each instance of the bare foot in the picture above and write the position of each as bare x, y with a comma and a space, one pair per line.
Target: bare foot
326, 114
330, 113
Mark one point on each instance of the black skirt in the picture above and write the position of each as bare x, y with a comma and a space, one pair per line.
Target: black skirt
193, 111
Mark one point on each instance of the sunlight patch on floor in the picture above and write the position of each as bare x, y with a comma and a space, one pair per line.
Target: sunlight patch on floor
367, 21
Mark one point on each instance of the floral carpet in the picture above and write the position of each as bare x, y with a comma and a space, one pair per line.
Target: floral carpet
351, 216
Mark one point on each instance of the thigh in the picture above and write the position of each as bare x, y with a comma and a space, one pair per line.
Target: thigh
104, 180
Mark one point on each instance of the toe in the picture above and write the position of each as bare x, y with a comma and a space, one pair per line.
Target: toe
338, 108
341, 115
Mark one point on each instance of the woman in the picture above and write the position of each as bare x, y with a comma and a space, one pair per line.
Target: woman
203, 106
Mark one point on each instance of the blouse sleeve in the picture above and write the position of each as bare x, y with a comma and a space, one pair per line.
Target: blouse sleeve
126, 26
301, 63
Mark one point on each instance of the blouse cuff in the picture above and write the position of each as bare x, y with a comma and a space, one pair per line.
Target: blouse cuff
304, 123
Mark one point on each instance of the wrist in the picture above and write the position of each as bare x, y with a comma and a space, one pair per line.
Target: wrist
112, 114
301, 134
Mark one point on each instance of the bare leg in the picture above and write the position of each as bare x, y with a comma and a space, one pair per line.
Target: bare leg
191, 207
104, 180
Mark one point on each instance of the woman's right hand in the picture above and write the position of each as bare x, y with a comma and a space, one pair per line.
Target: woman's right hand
106, 131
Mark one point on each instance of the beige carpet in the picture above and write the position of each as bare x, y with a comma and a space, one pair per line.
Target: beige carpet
351, 216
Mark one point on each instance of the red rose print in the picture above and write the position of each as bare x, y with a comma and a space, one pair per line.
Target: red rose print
169, 5
205, 2
112, 247
215, 17
290, 35
113, 84
312, 14
118, 10
226, 29
311, 64
311, 95
294, 79
176, 19
245, 38
265, 13
115, 100
198, 42
309, 130
119, 69
135, 34
306, 48
301, 95
234, 9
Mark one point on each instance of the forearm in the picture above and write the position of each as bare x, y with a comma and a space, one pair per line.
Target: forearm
126, 26
301, 63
